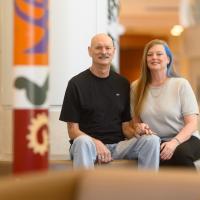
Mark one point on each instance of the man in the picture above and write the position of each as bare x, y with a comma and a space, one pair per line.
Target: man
96, 108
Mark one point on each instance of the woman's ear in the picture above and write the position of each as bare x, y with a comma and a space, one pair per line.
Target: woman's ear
168, 60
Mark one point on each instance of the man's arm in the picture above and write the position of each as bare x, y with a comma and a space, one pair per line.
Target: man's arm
73, 130
128, 130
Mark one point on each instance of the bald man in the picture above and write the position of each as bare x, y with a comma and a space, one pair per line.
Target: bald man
96, 108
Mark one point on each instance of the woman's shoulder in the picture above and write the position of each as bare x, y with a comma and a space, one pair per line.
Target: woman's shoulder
180, 83
179, 80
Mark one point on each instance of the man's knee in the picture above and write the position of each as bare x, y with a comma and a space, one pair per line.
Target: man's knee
82, 140
83, 143
83, 152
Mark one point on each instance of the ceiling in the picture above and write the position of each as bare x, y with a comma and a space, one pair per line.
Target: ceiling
152, 17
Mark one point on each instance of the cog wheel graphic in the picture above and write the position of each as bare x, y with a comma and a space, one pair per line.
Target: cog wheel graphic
36, 124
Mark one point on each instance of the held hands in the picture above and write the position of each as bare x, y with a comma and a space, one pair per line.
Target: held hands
142, 129
103, 153
167, 149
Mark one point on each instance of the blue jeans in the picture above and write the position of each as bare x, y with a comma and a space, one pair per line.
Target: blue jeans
146, 149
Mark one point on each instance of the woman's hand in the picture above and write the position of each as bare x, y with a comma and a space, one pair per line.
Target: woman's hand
167, 149
142, 129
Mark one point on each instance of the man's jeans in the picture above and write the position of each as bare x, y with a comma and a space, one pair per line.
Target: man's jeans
146, 149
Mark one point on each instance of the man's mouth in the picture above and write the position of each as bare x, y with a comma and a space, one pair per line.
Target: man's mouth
104, 57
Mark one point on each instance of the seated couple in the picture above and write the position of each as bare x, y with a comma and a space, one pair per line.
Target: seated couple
160, 129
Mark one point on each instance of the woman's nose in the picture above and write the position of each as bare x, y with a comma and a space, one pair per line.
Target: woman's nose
154, 55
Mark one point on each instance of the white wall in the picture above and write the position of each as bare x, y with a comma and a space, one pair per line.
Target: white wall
6, 14
72, 24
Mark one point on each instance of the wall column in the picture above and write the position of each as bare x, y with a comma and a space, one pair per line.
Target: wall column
31, 74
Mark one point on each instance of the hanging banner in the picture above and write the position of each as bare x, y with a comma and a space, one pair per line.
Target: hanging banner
31, 32
31, 80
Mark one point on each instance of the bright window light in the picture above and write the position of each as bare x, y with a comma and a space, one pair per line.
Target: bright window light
177, 30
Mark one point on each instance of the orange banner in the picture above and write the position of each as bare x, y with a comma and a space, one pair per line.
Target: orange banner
31, 32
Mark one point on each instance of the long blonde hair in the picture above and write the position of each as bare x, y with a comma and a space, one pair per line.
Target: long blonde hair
145, 75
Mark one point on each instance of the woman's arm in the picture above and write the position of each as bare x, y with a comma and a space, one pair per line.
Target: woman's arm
168, 148
190, 122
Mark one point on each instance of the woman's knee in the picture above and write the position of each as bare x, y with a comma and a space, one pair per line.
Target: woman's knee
183, 156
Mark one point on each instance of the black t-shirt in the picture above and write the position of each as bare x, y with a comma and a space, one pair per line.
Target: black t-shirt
99, 105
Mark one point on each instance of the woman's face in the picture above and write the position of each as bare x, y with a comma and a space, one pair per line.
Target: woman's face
157, 58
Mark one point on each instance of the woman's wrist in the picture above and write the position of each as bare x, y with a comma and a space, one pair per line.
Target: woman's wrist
177, 140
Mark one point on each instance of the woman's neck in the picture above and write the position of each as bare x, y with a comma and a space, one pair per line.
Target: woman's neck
158, 79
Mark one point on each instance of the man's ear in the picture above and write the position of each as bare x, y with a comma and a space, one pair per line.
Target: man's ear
89, 51
114, 49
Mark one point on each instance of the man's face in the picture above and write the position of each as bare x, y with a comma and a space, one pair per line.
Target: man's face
102, 50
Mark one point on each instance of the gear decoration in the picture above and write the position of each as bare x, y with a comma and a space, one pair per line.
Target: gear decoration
36, 124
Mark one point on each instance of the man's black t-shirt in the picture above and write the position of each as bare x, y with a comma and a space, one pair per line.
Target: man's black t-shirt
99, 105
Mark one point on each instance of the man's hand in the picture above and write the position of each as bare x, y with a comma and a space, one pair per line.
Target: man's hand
103, 153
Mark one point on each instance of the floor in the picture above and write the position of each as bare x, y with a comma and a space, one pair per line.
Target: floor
6, 166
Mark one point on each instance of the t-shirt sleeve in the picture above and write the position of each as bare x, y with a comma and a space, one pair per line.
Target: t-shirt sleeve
188, 100
70, 111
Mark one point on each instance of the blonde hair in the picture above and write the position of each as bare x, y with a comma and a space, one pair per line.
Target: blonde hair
145, 75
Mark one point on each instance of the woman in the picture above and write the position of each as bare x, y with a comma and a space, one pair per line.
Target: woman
168, 105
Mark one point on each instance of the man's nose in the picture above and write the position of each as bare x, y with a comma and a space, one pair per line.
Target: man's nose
103, 50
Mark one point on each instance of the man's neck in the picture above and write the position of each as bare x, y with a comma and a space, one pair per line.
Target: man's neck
100, 71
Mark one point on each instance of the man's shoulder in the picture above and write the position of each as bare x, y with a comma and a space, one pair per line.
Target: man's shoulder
80, 76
